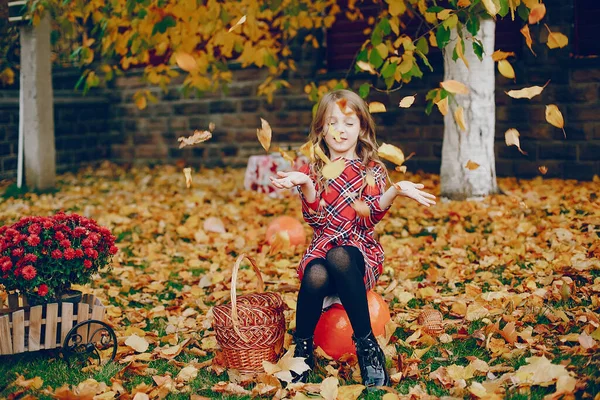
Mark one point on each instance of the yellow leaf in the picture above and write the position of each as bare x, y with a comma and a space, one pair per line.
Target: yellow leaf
543, 169
501, 55
511, 137
460, 118
376, 107
280, 242
137, 343
390, 396
334, 133
370, 180
555, 118
556, 39
444, 14
334, 169
361, 208
307, 150
188, 177
540, 371
397, 7
141, 102
476, 311
329, 388
506, 69
240, 21
365, 66
525, 32
526, 93
407, 101
350, 392
443, 106
33, 383
391, 153
490, 7
471, 165
264, 134
460, 52
454, 87
320, 154
186, 61
537, 13
382, 49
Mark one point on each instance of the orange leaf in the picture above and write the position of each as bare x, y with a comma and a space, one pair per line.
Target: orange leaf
471, 165
543, 169
528, 40
556, 39
264, 134
186, 61
537, 13
501, 55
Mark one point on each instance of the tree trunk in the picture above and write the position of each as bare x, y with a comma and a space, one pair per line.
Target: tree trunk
476, 143
36, 114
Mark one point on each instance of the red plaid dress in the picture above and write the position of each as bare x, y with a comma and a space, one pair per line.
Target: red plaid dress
335, 222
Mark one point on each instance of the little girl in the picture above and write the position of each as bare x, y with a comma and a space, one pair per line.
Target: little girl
344, 258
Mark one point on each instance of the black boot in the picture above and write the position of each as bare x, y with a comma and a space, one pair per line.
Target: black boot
371, 361
304, 348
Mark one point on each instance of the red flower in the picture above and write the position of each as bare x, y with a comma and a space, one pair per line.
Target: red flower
69, 253
30, 258
47, 224
91, 253
47, 243
33, 240
34, 229
78, 253
66, 243
87, 243
56, 254
78, 231
113, 250
29, 272
59, 236
42, 290
18, 252
6, 266
87, 263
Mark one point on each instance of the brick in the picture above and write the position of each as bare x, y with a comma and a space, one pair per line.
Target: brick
585, 75
432, 132
557, 151
5, 149
503, 151
589, 151
244, 120
152, 124
583, 171
298, 104
191, 109
250, 105
587, 93
242, 90
223, 106
178, 123
421, 150
583, 113
530, 169
436, 150
575, 131
505, 168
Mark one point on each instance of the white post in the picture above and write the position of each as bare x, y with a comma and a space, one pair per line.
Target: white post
36, 112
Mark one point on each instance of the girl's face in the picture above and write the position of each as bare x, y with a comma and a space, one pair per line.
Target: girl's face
341, 131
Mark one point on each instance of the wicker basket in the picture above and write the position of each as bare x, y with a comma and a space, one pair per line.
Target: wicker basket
251, 328
432, 321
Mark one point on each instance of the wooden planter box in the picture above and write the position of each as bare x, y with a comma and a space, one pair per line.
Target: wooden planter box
31, 328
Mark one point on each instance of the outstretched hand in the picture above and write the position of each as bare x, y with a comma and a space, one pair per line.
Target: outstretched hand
288, 180
413, 191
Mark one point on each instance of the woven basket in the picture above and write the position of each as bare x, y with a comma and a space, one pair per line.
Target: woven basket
432, 321
251, 328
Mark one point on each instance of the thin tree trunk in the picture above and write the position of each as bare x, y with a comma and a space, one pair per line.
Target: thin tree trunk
476, 143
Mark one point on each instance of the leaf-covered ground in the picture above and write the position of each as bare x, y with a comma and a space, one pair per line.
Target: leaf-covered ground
516, 277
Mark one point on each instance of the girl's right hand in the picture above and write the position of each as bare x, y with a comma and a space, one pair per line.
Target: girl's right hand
288, 180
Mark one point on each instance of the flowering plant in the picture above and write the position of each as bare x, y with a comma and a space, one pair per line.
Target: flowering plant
42, 256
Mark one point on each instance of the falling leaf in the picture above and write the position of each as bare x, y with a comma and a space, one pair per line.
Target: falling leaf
334, 169
506, 69
264, 134
197, 137
376, 107
365, 66
186, 61
370, 179
455, 87
391, 153
501, 55
527, 93
537, 13
187, 172
511, 138
286, 156
471, 165
214, 224
556, 39
525, 32
329, 388
361, 208
211, 126
137, 343
240, 21
460, 118
407, 101
334, 133
543, 169
555, 118
307, 150
320, 154
443, 106
490, 7
343, 104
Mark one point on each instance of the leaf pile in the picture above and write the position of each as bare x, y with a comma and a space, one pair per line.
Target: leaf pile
516, 278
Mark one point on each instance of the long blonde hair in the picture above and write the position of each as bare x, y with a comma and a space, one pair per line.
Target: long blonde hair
366, 147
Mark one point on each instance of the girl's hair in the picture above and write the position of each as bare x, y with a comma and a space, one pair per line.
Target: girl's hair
366, 147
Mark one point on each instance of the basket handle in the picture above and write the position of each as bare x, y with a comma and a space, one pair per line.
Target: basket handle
261, 287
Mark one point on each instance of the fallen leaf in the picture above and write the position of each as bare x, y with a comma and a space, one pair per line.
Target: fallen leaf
137, 343
319, 152
511, 137
555, 118
586, 341
506, 70
188, 373
540, 371
239, 22
537, 13
334, 133
264, 134
407, 101
214, 224
455, 87
329, 388
307, 150
376, 107
33, 383
286, 364
350, 392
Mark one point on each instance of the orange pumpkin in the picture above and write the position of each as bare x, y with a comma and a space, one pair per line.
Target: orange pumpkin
334, 332
291, 225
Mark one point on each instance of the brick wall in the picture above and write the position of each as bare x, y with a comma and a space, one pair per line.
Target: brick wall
109, 124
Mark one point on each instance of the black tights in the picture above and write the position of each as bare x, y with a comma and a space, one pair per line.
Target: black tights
341, 271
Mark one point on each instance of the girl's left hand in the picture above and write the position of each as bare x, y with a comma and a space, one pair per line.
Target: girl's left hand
412, 190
